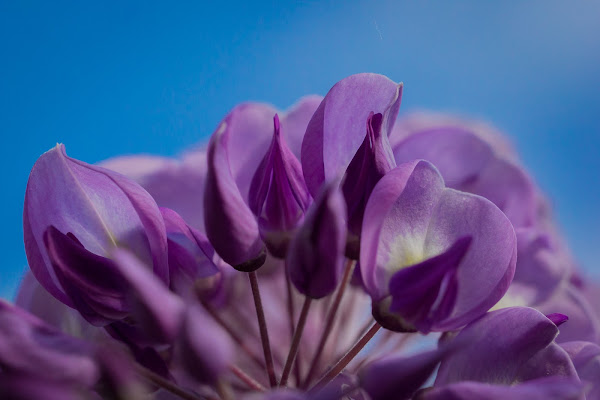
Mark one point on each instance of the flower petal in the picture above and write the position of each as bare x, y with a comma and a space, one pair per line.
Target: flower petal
336, 129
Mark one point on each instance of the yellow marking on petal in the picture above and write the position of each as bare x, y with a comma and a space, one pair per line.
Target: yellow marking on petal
510, 300
405, 251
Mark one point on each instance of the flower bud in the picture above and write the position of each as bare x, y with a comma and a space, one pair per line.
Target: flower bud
278, 195
316, 254
230, 225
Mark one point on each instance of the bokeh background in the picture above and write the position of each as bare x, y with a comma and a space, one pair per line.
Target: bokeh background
111, 78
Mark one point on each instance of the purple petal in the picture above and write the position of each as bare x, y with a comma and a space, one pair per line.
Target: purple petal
191, 256
27, 387
336, 129
506, 346
371, 162
541, 389
204, 349
278, 195
446, 148
488, 267
470, 163
557, 318
586, 359
100, 207
316, 254
295, 120
175, 184
92, 283
583, 323
425, 293
158, 311
28, 346
36, 300
230, 225
541, 264
400, 205
400, 377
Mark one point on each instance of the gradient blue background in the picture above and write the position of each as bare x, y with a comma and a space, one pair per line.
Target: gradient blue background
107, 78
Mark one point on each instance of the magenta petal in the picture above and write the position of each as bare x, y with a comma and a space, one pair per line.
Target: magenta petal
230, 225
336, 129
101, 208
506, 346
158, 311
316, 255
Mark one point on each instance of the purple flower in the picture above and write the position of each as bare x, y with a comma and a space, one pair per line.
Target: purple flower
86, 211
278, 195
136, 301
433, 258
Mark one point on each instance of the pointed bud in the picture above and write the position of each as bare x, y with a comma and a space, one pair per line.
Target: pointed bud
278, 195
316, 254
371, 162
99, 207
230, 225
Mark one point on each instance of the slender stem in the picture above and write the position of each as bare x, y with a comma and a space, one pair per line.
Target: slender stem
295, 341
290, 306
337, 368
247, 379
224, 390
234, 335
329, 321
262, 326
166, 384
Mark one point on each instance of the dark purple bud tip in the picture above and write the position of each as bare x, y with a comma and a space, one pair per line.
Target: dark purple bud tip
557, 318
253, 264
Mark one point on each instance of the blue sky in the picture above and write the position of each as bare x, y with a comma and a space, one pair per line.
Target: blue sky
110, 78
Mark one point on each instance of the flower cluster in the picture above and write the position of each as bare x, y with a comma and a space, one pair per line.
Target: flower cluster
326, 252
